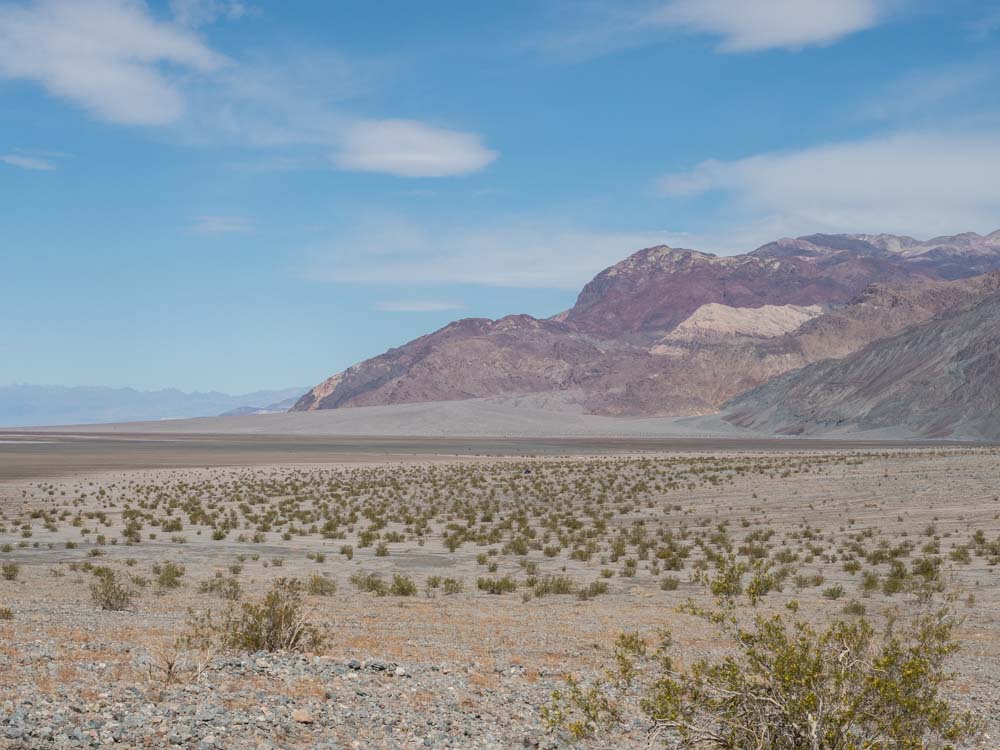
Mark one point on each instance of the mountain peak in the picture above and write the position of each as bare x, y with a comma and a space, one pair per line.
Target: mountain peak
624, 347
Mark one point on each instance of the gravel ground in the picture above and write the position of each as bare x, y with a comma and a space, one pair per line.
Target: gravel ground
465, 671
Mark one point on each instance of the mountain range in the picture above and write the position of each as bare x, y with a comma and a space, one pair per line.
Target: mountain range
22, 405
760, 336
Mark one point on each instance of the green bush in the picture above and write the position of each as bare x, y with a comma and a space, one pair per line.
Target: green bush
9, 571
107, 592
371, 583
227, 587
276, 622
596, 588
554, 585
168, 575
670, 583
785, 684
320, 585
504, 585
402, 586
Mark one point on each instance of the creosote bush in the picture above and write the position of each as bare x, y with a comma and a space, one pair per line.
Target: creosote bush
107, 592
168, 574
276, 622
503, 585
320, 585
784, 683
227, 587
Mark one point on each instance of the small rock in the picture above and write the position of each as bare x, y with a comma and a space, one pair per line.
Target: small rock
302, 716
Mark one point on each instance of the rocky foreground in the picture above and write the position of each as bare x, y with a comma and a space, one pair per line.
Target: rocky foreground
271, 701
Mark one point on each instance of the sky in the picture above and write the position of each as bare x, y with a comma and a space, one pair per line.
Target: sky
243, 194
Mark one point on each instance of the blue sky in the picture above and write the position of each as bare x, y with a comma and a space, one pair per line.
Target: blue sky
211, 194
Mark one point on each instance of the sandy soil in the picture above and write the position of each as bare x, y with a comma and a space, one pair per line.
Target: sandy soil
493, 649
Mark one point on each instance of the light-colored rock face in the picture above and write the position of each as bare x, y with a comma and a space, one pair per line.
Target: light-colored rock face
714, 321
937, 379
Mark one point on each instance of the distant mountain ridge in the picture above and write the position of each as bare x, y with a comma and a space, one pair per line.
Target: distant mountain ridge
37, 405
671, 332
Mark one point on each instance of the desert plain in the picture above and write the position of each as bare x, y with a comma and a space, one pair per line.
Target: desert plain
456, 584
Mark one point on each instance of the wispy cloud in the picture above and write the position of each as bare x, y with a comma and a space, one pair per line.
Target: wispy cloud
202, 12
411, 149
510, 253
28, 162
221, 224
109, 56
418, 305
925, 91
739, 25
915, 183
753, 25
988, 23
122, 64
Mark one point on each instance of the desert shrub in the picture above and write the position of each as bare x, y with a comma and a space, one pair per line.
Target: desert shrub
670, 583
276, 622
504, 585
371, 583
6, 613
559, 585
168, 575
870, 582
452, 586
402, 586
833, 592
107, 592
854, 607
227, 587
320, 585
961, 555
785, 684
9, 571
596, 588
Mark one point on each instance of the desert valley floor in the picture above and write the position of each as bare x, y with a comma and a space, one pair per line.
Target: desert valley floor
457, 583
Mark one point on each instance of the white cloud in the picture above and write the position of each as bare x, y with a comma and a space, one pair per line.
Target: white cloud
28, 162
418, 305
752, 25
409, 148
393, 250
109, 56
914, 183
741, 25
221, 224
118, 61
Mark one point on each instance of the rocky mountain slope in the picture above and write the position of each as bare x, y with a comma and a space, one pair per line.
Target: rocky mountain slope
678, 332
938, 379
